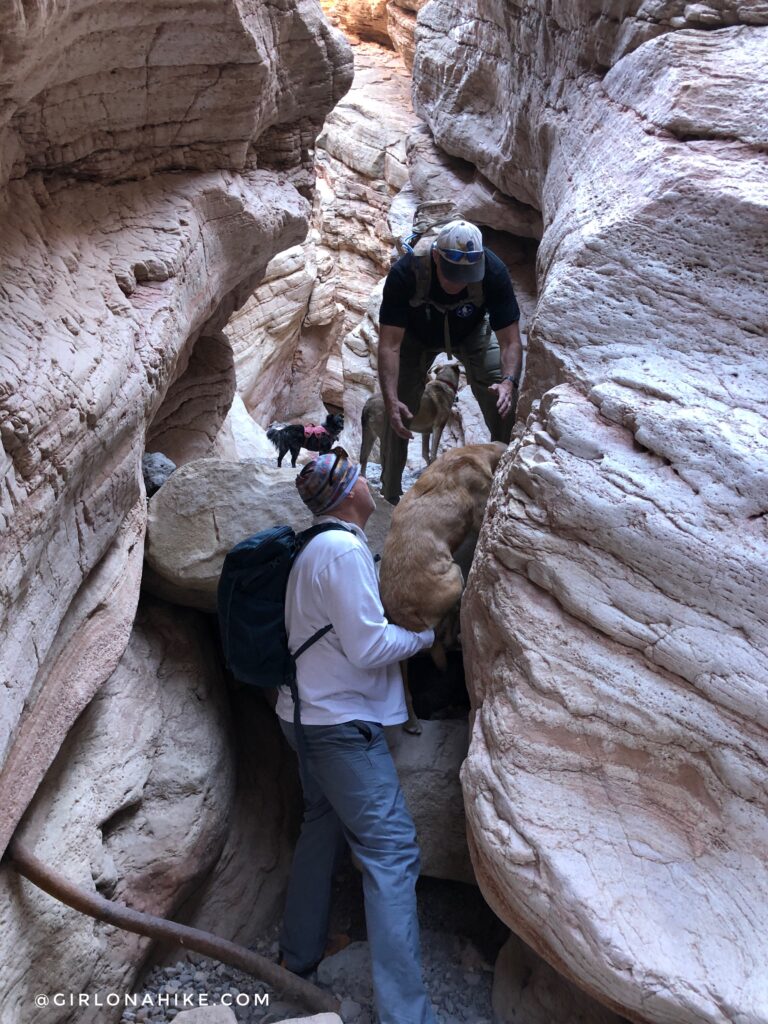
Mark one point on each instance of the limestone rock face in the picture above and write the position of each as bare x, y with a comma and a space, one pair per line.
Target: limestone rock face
114, 276
614, 622
134, 807
206, 508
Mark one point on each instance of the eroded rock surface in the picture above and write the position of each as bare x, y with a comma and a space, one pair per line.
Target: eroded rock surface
288, 337
135, 807
614, 624
111, 271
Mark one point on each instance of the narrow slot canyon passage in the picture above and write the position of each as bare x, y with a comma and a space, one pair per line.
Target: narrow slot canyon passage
201, 207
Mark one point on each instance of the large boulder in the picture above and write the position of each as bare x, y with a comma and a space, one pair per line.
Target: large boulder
210, 505
614, 622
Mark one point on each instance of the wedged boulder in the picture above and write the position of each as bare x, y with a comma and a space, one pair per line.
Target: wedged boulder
135, 806
210, 505
428, 767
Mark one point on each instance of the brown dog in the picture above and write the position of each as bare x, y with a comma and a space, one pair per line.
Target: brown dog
431, 416
420, 582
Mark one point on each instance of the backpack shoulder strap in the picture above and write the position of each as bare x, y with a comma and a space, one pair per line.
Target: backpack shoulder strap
422, 271
303, 538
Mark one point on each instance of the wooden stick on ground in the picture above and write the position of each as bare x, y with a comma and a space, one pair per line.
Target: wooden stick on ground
287, 985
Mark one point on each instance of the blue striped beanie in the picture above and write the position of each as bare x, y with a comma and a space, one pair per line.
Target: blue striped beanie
325, 483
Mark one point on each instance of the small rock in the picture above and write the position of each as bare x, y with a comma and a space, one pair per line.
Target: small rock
349, 1010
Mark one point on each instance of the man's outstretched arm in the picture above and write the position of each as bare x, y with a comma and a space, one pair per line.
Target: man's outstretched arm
390, 340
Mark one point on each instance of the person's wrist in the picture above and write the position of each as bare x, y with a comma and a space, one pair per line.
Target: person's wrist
513, 379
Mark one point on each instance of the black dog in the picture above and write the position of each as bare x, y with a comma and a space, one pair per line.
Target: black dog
294, 437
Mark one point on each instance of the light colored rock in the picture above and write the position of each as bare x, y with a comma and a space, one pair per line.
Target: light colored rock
348, 971
244, 893
527, 991
110, 272
614, 621
428, 769
195, 87
196, 404
207, 1015
359, 19
677, 82
288, 339
210, 505
265, 333
241, 437
134, 807
435, 175
318, 1018
80, 398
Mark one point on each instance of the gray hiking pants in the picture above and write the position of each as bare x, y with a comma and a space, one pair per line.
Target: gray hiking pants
480, 356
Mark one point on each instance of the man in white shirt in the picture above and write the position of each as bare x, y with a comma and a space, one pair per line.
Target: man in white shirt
349, 687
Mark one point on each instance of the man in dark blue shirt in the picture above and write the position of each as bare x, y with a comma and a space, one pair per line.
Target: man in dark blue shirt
465, 306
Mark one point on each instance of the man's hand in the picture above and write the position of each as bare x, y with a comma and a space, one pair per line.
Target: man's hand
505, 397
398, 412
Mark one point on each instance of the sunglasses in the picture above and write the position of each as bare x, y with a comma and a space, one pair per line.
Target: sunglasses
459, 256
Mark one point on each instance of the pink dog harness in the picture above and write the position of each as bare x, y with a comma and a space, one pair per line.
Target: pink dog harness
314, 431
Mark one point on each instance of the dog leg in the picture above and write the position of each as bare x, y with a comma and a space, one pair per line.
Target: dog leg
437, 433
425, 447
413, 725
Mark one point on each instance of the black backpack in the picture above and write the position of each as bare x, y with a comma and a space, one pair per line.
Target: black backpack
251, 610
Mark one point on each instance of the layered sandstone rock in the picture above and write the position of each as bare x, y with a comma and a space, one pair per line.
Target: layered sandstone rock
360, 19
111, 272
135, 807
243, 894
614, 624
401, 27
288, 337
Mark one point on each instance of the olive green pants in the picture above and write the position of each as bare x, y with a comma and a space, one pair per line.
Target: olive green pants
481, 358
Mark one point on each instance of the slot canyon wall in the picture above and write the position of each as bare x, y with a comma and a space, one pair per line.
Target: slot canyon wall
615, 619
153, 159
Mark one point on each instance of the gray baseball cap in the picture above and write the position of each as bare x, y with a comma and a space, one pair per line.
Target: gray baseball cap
460, 246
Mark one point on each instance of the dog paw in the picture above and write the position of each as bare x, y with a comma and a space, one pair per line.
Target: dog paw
413, 726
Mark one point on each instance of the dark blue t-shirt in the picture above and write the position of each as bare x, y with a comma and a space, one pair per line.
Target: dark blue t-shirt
426, 322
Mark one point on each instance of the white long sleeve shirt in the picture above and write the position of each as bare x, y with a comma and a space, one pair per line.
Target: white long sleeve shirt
352, 671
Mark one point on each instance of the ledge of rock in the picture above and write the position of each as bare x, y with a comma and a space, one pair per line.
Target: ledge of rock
428, 769
208, 506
